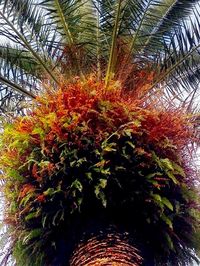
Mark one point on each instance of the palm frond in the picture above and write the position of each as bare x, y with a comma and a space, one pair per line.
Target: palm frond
108, 37
162, 18
17, 57
14, 29
16, 87
181, 61
110, 69
75, 21
20, 73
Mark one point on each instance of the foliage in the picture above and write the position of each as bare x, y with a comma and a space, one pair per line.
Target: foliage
84, 150
97, 143
107, 38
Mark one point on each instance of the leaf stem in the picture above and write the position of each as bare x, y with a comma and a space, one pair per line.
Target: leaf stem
113, 46
16, 87
68, 36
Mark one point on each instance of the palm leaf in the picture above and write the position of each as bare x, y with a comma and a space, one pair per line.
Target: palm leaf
15, 29
17, 57
75, 21
181, 60
16, 87
82, 37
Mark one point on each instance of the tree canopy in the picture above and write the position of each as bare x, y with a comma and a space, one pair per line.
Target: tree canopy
128, 40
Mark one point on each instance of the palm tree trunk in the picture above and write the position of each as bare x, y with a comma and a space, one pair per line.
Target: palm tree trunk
110, 249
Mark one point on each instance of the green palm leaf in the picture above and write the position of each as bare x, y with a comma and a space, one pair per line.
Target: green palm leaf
84, 37
15, 29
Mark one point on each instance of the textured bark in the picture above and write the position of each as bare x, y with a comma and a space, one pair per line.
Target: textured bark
106, 250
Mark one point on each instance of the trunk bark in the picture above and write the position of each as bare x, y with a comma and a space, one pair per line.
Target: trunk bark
111, 249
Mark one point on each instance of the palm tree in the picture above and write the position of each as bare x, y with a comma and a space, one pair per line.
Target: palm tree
150, 47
